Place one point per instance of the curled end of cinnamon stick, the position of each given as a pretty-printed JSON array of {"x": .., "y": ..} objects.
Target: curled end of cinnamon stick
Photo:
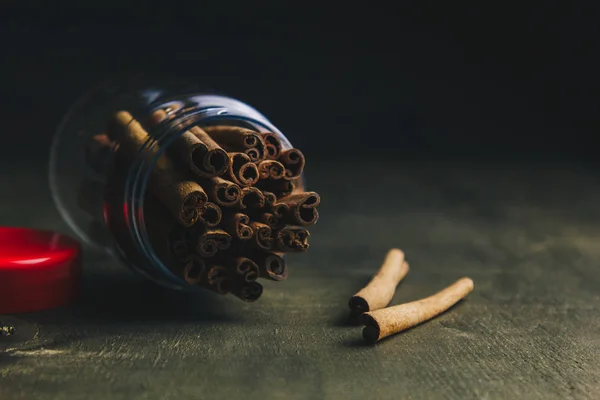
[
  {"x": 263, "y": 236},
  {"x": 194, "y": 269},
  {"x": 358, "y": 305},
  {"x": 242, "y": 170},
  {"x": 275, "y": 268},
  {"x": 371, "y": 332},
  {"x": 251, "y": 197},
  {"x": 225, "y": 193},
  {"x": 247, "y": 269},
  {"x": 272, "y": 145},
  {"x": 249, "y": 292},
  {"x": 208, "y": 162},
  {"x": 294, "y": 161},
  {"x": 292, "y": 239},
  {"x": 271, "y": 169},
  {"x": 212, "y": 241},
  {"x": 211, "y": 214}
]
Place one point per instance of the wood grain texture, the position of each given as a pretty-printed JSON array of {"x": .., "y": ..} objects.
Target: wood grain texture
[{"x": 528, "y": 235}]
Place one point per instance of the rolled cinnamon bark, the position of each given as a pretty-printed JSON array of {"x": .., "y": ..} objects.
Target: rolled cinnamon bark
[
  {"x": 272, "y": 145},
  {"x": 194, "y": 269},
  {"x": 280, "y": 187},
  {"x": 211, "y": 215},
  {"x": 195, "y": 147},
  {"x": 270, "y": 198},
  {"x": 292, "y": 239},
  {"x": 271, "y": 266},
  {"x": 244, "y": 267},
  {"x": 205, "y": 158},
  {"x": 263, "y": 236},
  {"x": 379, "y": 291},
  {"x": 251, "y": 198},
  {"x": 212, "y": 241},
  {"x": 219, "y": 279},
  {"x": 388, "y": 321},
  {"x": 271, "y": 220},
  {"x": 301, "y": 208},
  {"x": 223, "y": 192},
  {"x": 249, "y": 292},
  {"x": 235, "y": 138},
  {"x": 271, "y": 169},
  {"x": 237, "y": 225},
  {"x": 293, "y": 160},
  {"x": 242, "y": 170},
  {"x": 172, "y": 186}
]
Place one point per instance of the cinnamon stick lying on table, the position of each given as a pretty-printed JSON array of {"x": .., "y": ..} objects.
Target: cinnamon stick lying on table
[
  {"x": 272, "y": 145},
  {"x": 182, "y": 196},
  {"x": 242, "y": 170},
  {"x": 235, "y": 138},
  {"x": 293, "y": 160},
  {"x": 388, "y": 321},
  {"x": 301, "y": 208},
  {"x": 379, "y": 291}
]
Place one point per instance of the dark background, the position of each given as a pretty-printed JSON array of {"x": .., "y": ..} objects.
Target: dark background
[{"x": 470, "y": 82}]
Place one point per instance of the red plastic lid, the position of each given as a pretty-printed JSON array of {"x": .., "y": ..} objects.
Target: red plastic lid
[{"x": 38, "y": 270}]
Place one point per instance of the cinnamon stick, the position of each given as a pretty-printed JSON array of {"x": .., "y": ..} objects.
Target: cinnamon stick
[
  {"x": 196, "y": 148},
  {"x": 271, "y": 169},
  {"x": 213, "y": 240},
  {"x": 235, "y": 138},
  {"x": 263, "y": 236},
  {"x": 271, "y": 266},
  {"x": 194, "y": 269},
  {"x": 272, "y": 145},
  {"x": 270, "y": 198},
  {"x": 271, "y": 220},
  {"x": 379, "y": 291},
  {"x": 292, "y": 239},
  {"x": 301, "y": 208},
  {"x": 244, "y": 267},
  {"x": 211, "y": 214},
  {"x": 388, "y": 321},
  {"x": 237, "y": 225},
  {"x": 223, "y": 192},
  {"x": 172, "y": 186},
  {"x": 251, "y": 198},
  {"x": 280, "y": 187},
  {"x": 242, "y": 170},
  {"x": 219, "y": 279},
  {"x": 249, "y": 292},
  {"x": 293, "y": 160}
]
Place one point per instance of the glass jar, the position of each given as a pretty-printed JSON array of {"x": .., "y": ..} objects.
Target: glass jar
[{"x": 118, "y": 226}]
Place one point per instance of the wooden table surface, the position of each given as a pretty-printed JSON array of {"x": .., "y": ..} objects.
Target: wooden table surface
[{"x": 527, "y": 233}]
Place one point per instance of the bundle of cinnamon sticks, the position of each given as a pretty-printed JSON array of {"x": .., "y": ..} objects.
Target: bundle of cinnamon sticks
[{"x": 223, "y": 203}]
